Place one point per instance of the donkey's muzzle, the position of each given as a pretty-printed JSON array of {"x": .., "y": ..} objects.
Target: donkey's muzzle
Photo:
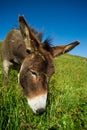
[
  {"x": 38, "y": 103},
  {"x": 40, "y": 111}
]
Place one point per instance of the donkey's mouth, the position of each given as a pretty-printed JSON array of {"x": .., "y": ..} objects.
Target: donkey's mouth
[
  {"x": 40, "y": 111},
  {"x": 38, "y": 104}
]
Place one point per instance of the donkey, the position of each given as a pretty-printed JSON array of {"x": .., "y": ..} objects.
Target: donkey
[{"x": 24, "y": 51}]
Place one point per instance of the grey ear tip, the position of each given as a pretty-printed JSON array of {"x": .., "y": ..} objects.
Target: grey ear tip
[
  {"x": 78, "y": 42},
  {"x": 20, "y": 18}
]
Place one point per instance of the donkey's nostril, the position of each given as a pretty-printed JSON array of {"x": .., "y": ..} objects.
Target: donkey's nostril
[{"x": 40, "y": 111}]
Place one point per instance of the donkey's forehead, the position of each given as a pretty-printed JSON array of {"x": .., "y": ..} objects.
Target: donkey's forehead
[
  {"x": 34, "y": 60},
  {"x": 42, "y": 57},
  {"x": 37, "y": 61},
  {"x": 39, "y": 56}
]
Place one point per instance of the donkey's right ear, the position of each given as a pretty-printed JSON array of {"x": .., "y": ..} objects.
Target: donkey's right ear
[
  {"x": 25, "y": 33},
  {"x": 30, "y": 39},
  {"x": 23, "y": 27}
]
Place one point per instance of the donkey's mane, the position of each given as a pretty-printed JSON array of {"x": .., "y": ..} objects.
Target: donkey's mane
[
  {"x": 39, "y": 35},
  {"x": 47, "y": 43}
]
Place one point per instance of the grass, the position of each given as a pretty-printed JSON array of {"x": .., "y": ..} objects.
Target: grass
[{"x": 66, "y": 104}]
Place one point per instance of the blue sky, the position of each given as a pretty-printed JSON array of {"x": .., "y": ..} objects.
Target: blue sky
[{"x": 64, "y": 20}]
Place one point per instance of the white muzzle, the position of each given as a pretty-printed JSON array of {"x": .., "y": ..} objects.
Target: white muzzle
[{"x": 38, "y": 104}]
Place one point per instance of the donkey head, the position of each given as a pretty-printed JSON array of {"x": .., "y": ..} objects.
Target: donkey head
[{"x": 38, "y": 67}]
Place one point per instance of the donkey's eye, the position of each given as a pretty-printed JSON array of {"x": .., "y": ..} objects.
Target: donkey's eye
[
  {"x": 28, "y": 51},
  {"x": 33, "y": 73}
]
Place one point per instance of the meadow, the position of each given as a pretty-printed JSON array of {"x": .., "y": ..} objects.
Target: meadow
[{"x": 66, "y": 105}]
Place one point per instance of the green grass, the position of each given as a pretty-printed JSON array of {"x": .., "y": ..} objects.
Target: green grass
[{"x": 66, "y": 104}]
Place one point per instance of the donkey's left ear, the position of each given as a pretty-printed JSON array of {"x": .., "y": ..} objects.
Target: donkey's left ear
[{"x": 59, "y": 50}]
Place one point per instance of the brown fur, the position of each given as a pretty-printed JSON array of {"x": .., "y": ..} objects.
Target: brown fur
[{"x": 24, "y": 48}]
